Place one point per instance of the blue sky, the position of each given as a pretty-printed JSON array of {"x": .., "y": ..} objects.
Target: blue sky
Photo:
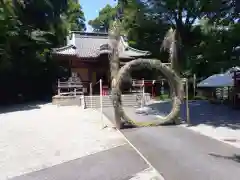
[{"x": 92, "y": 7}]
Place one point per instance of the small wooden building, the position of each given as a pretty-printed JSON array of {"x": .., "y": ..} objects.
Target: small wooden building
[
  {"x": 227, "y": 85},
  {"x": 87, "y": 56}
]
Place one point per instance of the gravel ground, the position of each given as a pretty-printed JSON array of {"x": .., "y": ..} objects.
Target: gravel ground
[{"x": 47, "y": 135}]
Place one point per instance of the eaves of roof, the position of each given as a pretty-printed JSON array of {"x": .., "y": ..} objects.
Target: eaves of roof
[{"x": 92, "y": 45}]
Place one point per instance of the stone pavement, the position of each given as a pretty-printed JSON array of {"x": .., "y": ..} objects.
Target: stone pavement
[
  {"x": 181, "y": 154},
  {"x": 121, "y": 163}
]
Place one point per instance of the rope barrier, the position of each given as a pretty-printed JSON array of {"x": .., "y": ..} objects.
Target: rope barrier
[{"x": 97, "y": 82}]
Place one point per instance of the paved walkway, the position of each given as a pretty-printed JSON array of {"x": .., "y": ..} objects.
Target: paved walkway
[
  {"x": 117, "y": 163},
  {"x": 180, "y": 154}
]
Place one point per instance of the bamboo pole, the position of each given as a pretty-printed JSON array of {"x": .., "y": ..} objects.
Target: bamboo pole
[
  {"x": 143, "y": 93},
  {"x": 187, "y": 105},
  {"x": 101, "y": 103},
  {"x": 194, "y": 85},
  {"x": 59, "y": 91},
  {"x": 91, "y": 105}
]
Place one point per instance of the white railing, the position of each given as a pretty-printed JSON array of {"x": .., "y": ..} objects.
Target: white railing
[
  {"x": 75, "y": 88},
  {"x": 137, "y": 85}
]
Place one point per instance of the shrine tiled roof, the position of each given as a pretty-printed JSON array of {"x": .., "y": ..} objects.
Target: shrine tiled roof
[
  {"x": 91, "y": 45},
  {"x": 66, "y": 50}
]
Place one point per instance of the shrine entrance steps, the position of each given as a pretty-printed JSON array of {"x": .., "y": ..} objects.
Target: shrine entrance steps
[{"x": 127, "y": 100}]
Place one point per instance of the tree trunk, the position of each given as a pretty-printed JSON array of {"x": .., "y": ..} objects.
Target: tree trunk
[
  {"x": 175, "y": 61},
  {"x": 115, "y": 65},
  {"x": 114, "y": 68}
]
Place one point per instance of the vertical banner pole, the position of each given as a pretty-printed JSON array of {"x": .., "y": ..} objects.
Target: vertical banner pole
[
  {"x": 59, "y": 91},
  {"x": 194, "y": 85},
  {"x": 152, "y": 91},
  {"x": 91, "y": 95},
  {"x": 101, "y": 102},
  {"x": 187, "y": 105},
  {"x": 75, "y": 92},
  {"x": 153, "y": 88},
  {"x": 162, "y": 88},
  {"x": 143, "y": 93}
]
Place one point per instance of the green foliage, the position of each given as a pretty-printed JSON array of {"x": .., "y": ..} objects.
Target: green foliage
[
  {"x": 183, "y": 16},
  {"x": 208, "y": 36},
  {"x": 105, "y": 18},
  {"x": 208, "y": 31},
  {"x": 75, "y": 16},
  {"x": 29, "y": 29},
  {"x": 215, "y": 50}
]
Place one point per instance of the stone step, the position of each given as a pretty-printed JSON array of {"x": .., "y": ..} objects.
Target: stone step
[
  {"x": 109, "y": 101},
  {"x": 133, "y": 98},
  {"x": 109, "y": 104},
  {"x": 123, "y": 100},
  {"x": 94, "y": 101},
  {"x": 98, "y": 103}
]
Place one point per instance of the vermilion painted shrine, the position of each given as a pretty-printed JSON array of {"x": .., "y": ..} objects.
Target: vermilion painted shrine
[{"x": 87, "y": 57}]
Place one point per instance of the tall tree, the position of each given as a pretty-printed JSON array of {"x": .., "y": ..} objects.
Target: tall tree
[
  {"x": 203, "y": 58},
  {"x": 146, "y": 23},
  {"x": 75, "y": 16},
  {"x": 105, "y": 17},
  {"x": 142, "y": 30},
  {"x": 182, "y": 16},
  {"x": 29, "y": 29}
]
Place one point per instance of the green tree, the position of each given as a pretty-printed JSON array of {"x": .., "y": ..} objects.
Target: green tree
[
  {"x": 144, "y": 30},
  {"x": 203, "y": 58},
  {"x": 182, "y": 17},
  {"x": 105, "y": 18},
  {"x": 75, "y": 16},
  {"x": 28, "y": 32}
]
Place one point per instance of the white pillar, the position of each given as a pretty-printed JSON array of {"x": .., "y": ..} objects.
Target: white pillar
[
  {"x": 143, "y": 93},
  {"x": 75, "y": 92},
  {"x": 90, "y": 95},
  {"x": 194, "y": 85},
  {"x": 101, "y": 102},
  {"x": 162, "y": 87},
  {"x": 59, "y": 91},
  {"x": 187, "y": 105}
]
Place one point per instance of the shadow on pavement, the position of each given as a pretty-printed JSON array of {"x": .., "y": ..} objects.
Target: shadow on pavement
[
  {"x": 235, "y": 157},
  {"x": 201, "y": 112},
  {"x": 21, "y": 107}
]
